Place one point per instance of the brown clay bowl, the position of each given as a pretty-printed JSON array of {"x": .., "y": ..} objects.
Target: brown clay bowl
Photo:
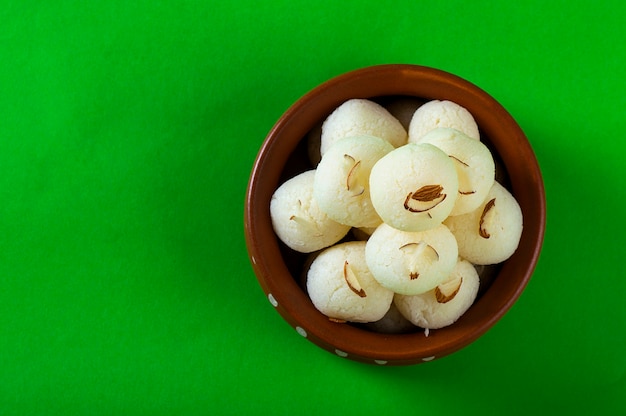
[{"x": 283, "y": 154}]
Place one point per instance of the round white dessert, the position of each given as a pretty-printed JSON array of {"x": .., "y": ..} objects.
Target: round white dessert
[
  {"x": 297, "y": 219},
  {"x": 474, "y": 165},
  {"x": 414, "y": 187},
  {"x": 411, "y": 262},
  {"x": 342, "y": 287},
  {"x": 491, "y": 233},
  {"x": 436, "y": 113},
  {"x": 341, "y": 186},
  {"x": 445, "y": 304},
  {"x": 359, "y": 117}
]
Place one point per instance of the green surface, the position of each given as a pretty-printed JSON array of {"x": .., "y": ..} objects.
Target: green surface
[{"x": 127, "y": 133}]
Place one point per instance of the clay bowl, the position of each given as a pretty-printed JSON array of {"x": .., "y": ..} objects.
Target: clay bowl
[{"x": 283, "y": 154}]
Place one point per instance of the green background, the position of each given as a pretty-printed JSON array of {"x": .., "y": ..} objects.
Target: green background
[{"x": 127, "y": 134}]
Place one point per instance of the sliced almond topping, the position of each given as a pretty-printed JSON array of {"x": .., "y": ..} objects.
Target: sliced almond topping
[
  {"x": 402, "y": 247},
  {"x": 421, "y": 248},
  {"x": 446, "y": 291},
  {"x": 483, "y": 233},
  {"x": 307, "y": 224},
  {"x": 434, "y": 253},
  {"x": 351, "y": 183},
  {"x": 354, "y": 165},
  {"x": 425, "y": 198},
  {"x": 427, "y": 193},
  {"x": 417, "y": 252},
  {"x": 458, "y": 160},
  {"x": 337, "y": 320},
  {"x": 352, "y": 281},
  {"x": 360, "y": 191}
]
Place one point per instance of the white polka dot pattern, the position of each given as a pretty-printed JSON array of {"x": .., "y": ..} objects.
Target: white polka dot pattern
[
  {"x": 272, "y": 300},
  {"x": 341, "y": 353}
]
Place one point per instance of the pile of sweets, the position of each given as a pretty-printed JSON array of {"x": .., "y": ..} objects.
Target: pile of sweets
[{"x": 417, "y": 187}]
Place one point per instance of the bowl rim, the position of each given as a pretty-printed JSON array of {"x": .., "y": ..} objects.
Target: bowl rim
[{"x": 377, "y": 81}]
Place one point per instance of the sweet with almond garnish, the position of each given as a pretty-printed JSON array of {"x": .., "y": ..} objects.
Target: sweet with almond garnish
[
  {"x": 341, "y": 186},
  {"x": 445, "y": 304},
  {"x": 474, "y": 165},
  {"x": 411, "y": 262},
  {"x": 491, "y": 233},
  {"x": 414, "y": 187},
  {"x": 342, "y": 287},
  {"x": 297, "y": 219}
]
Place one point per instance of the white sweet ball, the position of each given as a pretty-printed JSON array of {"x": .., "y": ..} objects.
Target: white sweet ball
[
  {"x": 341, "y": 186},
  {"x": 342, "y": 287},
  {"x": 491, "y": 233},
  {"x": 445, "y": 304},
  {"x": 360, "y": 117},
  {"x": 474, "y": 164},
  {"x": 411, "y": 262},
  {"x": 414, "y": 187},
  {"x": 297, "y": 219},
  {"x": 444, "y": 113}
]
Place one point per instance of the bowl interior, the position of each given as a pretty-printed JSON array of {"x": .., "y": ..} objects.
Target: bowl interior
[{"x": 280, "y": 271}]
